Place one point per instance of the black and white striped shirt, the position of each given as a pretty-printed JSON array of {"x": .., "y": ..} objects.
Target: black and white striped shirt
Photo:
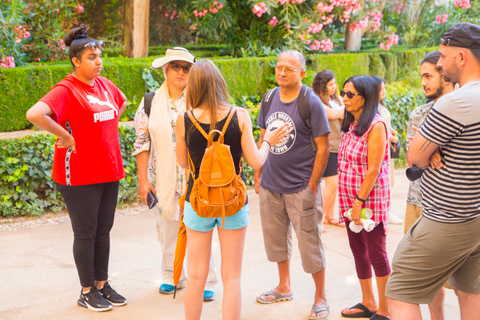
[{"x": 452, "y": 194}]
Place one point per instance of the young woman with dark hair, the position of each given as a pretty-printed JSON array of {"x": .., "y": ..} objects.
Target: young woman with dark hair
[
  {"x": 325, "y": 86},
  {"x": 83, "y": 110},
  {"x": 208, "y": 97},
  {"x": 363, "y": 183}
]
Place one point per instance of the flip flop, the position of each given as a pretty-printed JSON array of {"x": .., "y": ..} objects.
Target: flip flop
[
  {"x": 379, "y": 317},
  {"x": 336, "y": 223},
  {"x": 278, "y": 297},
  {"x": 317, "y": 310},
  {"x": 365, "y": 313}
]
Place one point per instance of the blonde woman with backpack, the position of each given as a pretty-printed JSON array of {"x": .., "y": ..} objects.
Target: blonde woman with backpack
[{"x": 207, "y": 96}]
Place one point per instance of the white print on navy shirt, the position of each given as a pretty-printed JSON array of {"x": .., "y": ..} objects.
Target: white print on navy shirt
[
  {"x": 104, "y": 115},
  {"x": 276, "y": 120}
]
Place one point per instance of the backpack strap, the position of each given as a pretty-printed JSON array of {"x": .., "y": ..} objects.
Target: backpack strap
[
  {"x": 195, "y": 122},
  {"x": 147, "y": 102},
  {"x": 303, "y": 104},
  {"x": 267, "y": 101}
]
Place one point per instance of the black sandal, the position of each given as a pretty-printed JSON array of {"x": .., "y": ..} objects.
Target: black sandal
[{"x": 365, "y": 313}]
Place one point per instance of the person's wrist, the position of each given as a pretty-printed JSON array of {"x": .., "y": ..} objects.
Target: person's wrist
[{"x": 269, "y": 144}]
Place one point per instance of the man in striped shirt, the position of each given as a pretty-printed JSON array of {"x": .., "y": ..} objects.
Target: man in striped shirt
[{"x": 444, "y": 244}]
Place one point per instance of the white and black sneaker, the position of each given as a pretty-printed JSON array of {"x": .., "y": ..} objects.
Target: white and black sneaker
[
  {"x": 112, "y": 296},
  {"x": 94, "y": 301}
]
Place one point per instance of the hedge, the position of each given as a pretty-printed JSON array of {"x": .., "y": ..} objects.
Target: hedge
[
  {"x": 22, "y": 87},
  {"x": 26, "y": 186}
]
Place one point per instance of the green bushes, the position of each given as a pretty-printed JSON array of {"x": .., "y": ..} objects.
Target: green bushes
[
  {"x": 26, "y": 186},
  {"x": 22, "y": 87},
  {"x": 400, "y": 101}
]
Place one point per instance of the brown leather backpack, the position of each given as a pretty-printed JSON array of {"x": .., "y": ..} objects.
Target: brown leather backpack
[{"x": 217, "y": 190}]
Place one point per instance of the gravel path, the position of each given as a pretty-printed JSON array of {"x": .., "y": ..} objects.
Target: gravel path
[{"x": 49, "y": 219}]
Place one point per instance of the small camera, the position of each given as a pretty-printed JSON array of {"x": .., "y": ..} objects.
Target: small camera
[{"x": 414, "y": 173}]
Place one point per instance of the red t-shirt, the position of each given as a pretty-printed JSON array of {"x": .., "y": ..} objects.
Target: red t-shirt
[{"x": 91, "y": 115}]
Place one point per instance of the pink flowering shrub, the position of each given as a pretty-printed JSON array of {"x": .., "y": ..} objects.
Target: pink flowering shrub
[
  {"x": 273, "y": 22},
  {"x": 392, "y": 39},
  {"x": 259, "y": 9},
  {"x": 465, "y": 4},
  {"x": 19, "y": 38},
  {"x": 441, "y": 19},
  {"x": 7, "y": 62}
]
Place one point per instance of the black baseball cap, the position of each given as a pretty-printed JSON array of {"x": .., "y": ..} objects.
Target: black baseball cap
[{"x": 464, "y": 35}]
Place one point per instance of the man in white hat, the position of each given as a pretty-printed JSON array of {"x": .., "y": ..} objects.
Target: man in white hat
[{"x": 155, "y": 129}]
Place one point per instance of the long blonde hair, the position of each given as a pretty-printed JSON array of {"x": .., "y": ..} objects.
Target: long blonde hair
[{"x": 206, "y": 87}]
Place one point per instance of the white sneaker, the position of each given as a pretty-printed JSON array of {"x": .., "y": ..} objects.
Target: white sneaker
[{"x": 394, "y": 220}]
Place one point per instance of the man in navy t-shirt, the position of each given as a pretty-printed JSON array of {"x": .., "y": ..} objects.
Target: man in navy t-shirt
[{"x": 289, "y": 187}]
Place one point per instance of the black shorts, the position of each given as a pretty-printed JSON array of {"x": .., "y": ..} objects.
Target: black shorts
[{"x": 332, "y": 165}]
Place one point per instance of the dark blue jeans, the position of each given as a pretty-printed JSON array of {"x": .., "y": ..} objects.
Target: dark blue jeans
[{"x": 92, "y": 210}]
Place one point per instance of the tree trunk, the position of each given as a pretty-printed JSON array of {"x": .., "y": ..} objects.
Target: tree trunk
[
  {"x": 353, "y": 39},
  {"x": 135, "y": 31}
]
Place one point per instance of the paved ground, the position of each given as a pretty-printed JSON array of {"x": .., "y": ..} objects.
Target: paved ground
[{"x": 39, "y": 279}]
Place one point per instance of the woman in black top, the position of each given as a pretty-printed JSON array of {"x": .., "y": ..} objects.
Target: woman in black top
[{"x": 208, "y": 97}]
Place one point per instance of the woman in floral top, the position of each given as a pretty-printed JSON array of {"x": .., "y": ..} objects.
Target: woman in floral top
[
  {"x": 155, "y": 131},
  {"x": 363, "y": 183}
]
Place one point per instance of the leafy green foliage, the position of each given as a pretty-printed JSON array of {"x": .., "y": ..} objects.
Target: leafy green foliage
[
  {"x": 401, "y": 100},
  {"x": 26, "y": 186},
  {"x": 421, "y": 27},
  {"x": 34, "y": 30}
]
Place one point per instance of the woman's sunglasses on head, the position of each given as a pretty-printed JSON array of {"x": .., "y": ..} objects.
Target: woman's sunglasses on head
[{"x": 94, "y": 45}]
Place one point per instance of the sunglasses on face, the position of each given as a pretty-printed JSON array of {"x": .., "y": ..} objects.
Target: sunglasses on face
[
  {"x": 95, "y": 44},
  {"x": 349, "y": 94},
  {"x": 287, "y": 70},
  {"x": 176, "y": 67}
]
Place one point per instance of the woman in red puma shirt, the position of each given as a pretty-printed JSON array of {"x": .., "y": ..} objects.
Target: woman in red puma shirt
[{"x": 83, "y": 110}]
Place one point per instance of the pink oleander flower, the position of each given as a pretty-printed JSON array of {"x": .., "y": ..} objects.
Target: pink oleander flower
[
  {"x": 359, "y": 24},
  {"x": 273, "y": 22},
  {"x": 259, "y": 9},
  {"x": 392, "y": 39},
  {"x": 465, "y": 4},
  {"x": 308, "y": 41},
  {"x": 63, "y": 47},
  {"x": 26, "y": 34},
  {"x": 80, "y": 9},
  {"x": 301, "y": 37},
  {"x": 18, "y": 40},
  {"x": 7, "y": 62},
  {"x": 315, "y": 28},
  {"x": 322, "y": 7},
  {"x": 326, "y": 45},
  {"x": 444, "y": 18}
]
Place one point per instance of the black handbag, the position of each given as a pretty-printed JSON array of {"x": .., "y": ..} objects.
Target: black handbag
[{"x": 395, "y": 149}]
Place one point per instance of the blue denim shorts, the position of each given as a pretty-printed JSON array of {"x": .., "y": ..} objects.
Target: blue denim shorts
[{"x": 194, "y": 222}]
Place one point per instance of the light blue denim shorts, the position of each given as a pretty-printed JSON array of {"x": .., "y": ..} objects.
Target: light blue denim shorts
[{"x": 194, "y": 222}]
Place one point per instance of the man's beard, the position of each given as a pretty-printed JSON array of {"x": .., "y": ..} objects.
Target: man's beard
[{"x": 438, "y": 93}]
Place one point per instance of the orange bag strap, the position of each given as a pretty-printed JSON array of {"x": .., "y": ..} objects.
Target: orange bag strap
[{"x": 197, "y": 125}]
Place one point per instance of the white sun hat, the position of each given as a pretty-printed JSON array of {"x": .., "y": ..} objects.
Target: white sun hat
[{"x": 174, "y": 54}]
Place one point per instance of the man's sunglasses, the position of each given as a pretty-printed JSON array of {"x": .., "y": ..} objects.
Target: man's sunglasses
[
  {"x": 176, "y": 67},
  {"x": 95, "y": 44},
  {"x": 287, "y": 70},
  {"x": 349, "y": 94}
]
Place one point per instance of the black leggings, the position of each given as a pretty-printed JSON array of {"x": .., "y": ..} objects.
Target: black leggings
[{"x": 91, "y": 209}]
